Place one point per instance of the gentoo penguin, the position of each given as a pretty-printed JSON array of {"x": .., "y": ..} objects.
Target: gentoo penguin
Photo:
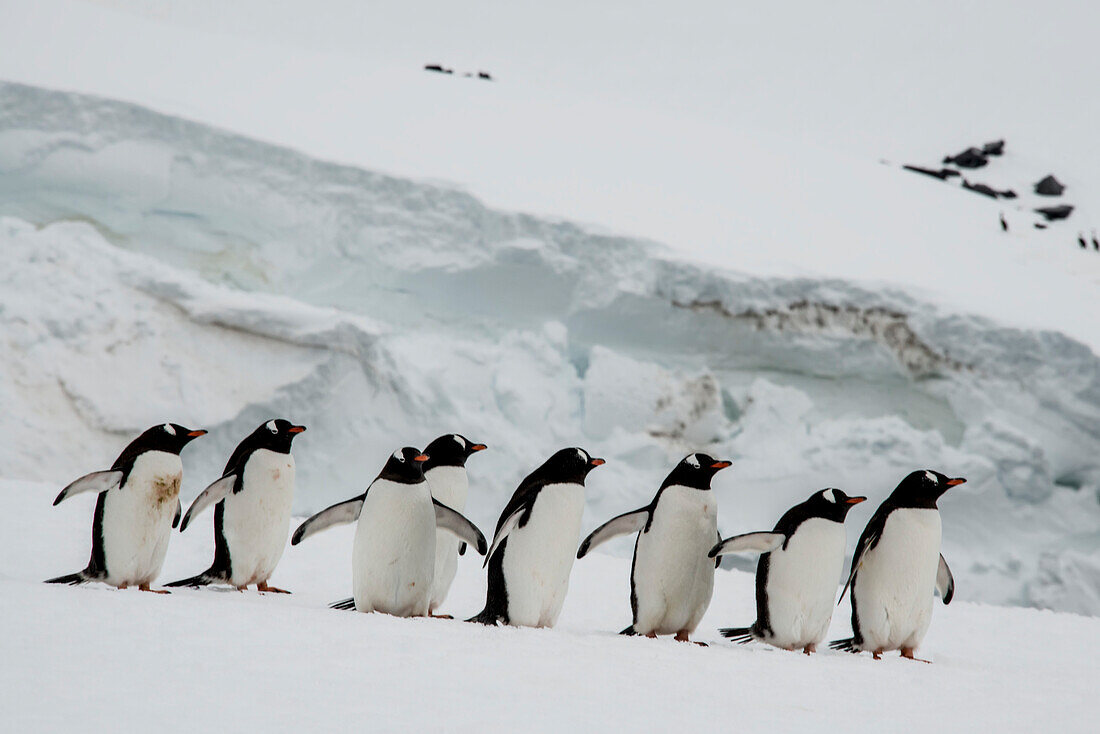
[
  {"x": 671, "y": 578},
  {"x": 532, "y": 551},
  {"x": 393, "y": 557},
  {"x": 252, "y": 509},
  {"x": 137, "y": 507},
  {"x": 1004, "y": 224},
  {"x": 796, "y": 582},
  {"x": 897, "y": 567},
  {"x": 1095, "y": 242},
  {"x": 445, "y": 471},
  {"x": 1081, "y": 241}
]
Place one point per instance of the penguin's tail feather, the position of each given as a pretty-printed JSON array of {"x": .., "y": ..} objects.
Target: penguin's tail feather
[
  {"x": 848, "y": 644},
  {"x": 203, "y": 579},
  {"x": 72, "y": 579},
  {"x": 345, "y": 604},
  {"x": 741, "y": 635},
  {"x": 485, "y": 616},
  {"x": 629, "y": 631}
]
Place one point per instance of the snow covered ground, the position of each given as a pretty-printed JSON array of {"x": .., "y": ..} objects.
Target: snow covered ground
[{"x": 97, "y": 659}]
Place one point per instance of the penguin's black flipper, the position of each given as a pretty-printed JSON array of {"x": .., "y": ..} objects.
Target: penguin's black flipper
[
  {"x": 338, "y": 514},
  {"x": 203, "y": 579},
  {"x": 629, "y": 631},
  {"x": 97, "y": 481},
  {"x": 741, "y": 635},
  {"x": 461, "y": 549},
  {"x": 345, "y": 604},
  {"x": 212, "y": 495},
  {"x": 179, "y": 511},
  {"x": 867, "y": 541},
  {"x": 848, "y": 644},
  {"x": 624, "y": 524},
  {"x": 455, "y": 523},
  {"x": 748, "y": 542},
  {"x": 945, "y": 582},
  {"x": 72, "y": 579}
]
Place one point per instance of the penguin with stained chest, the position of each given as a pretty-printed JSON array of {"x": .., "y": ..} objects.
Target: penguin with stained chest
[
  {"x": 137, "y": 507},
  {"x": 393, "y": 555},
  {"x": 796, "y": 581},
  {"x": 252, "y": 502},
  {"x": 531, "y": 555},
  {"x": 897, "y": 568},
  {"x": 445, "y": 472},
  {"x": 671, "y": 577}
]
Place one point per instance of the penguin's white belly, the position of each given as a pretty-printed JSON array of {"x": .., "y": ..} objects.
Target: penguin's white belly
[
  {"x": 673, "y": 579},
  {"x": 137, "y": 519},
  {"x": 449, "y": 485},
  {"x": 256, "y": 520},
  {"x": 393, "y": 558},
  {"x": 539, "y": 556},
  {"x": 802, "y": 583},
  {"x": 895, "y": 582}
]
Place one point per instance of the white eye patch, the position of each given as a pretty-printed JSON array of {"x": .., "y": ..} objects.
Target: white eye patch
[
  {"x": 399, "y": 456},
  {"x": 584, "y": 456},
  {"x": 458, "y": 439},
  {"x": 931, "y": 477},
  {"x": 693, "y": 460},
  {"x": 829, "y": 495},
  {"x": 169, "y": 429},
  {"x": 272, "y": 427}
]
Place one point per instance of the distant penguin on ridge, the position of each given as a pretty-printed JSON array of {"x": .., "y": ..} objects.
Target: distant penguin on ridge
[
  {"x": 897, "y": 567},
  {"x": 137, "y": 507},
  {"x": 671, "y": 577},
  {"x": 532, "y": 551},
  {"x": 393, "y": 556},
  {"x": 796, "y": 582},
  {"x": 445, "y": 471},
  {"x": 252, "y": 509}
]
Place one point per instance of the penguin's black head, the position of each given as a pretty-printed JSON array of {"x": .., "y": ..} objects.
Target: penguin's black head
[
  {"x": 274, "y": 435},
  {"x": 831, "y": 504},
  {"x": 695, "y": 471},
  {"x": 568, "y": 466},
  {"x": 922, "y": 488},
  {"x": 450, "y": 449},
  {"x": 405, "y": 466},
  {"x": 168, "y": 437}
]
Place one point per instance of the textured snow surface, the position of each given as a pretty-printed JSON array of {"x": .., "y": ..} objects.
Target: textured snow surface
[
  {"x": 163, "y": 270},
  {"x": 218, "y": 659}
]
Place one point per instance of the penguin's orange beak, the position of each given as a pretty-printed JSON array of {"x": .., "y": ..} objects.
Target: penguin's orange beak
[
  {"x": 478, "y": 447},
  {"x": 196, "y": 434},
  {"x": 955, "y": 482},
  {"x": 721, "y": 464},
  {"x": 596, "y": 462},
  {"x": 855, "y": 500},
  {"x": 295, "y": 429},
  {"x": 422, "y": 457}
]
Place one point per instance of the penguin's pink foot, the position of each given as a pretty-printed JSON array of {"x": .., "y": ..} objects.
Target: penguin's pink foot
[
  {"x": 652, "y": 635},
  {"x": 145, "y": 587},
  {"x": 907, "y": 652},
  {"x": 433, "y": 615},
  {"x": 272, "y": 589},
  {"x": 877, "y": 655},
  {"x": 683, "y": 636},
  {"x": 809, "y": 649}
]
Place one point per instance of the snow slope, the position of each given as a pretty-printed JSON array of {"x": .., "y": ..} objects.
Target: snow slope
[
  {"x": 215, "y": 280},
  {"x": 199, "y": 660}
]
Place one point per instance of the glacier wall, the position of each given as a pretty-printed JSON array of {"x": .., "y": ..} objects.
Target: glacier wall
[{"x": 158, "y": 269}]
